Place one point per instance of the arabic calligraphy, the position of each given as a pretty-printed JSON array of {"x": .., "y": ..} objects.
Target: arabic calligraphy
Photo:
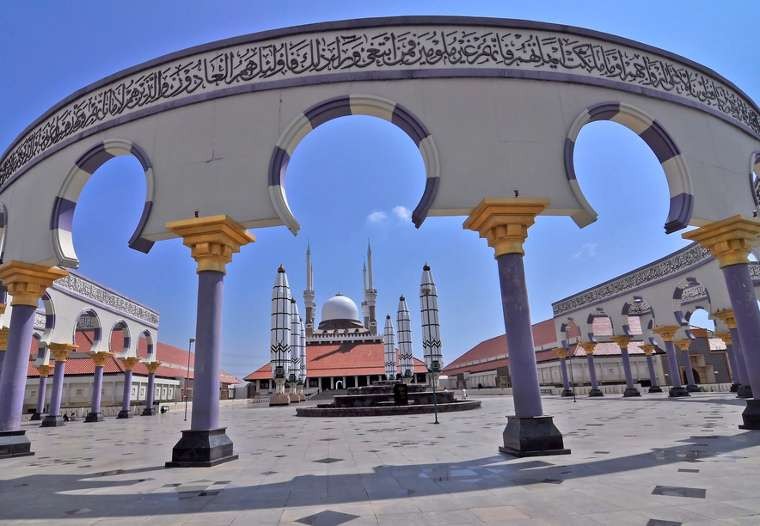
[{"x": 379, "y": 49}]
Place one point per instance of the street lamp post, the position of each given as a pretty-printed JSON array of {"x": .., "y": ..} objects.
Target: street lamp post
[{"x": 187, "y": 372}]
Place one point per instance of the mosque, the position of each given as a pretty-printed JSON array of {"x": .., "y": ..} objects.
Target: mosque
[{"x": 344, "y": 349}]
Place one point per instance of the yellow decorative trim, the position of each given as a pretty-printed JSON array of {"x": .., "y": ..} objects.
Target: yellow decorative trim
[
  {"x": 622, "y": 341},
  {"x": 27, "y": 282},
  {"x": 726, "y": 316},
  {"x": 4, "y": 339},
  {"x": 560, "y": 352},
  {"x": 504, "y": 222},
  {"x": 44, "y": 370},
  {"x": 666, "y": 332},
  {"x": 152, "y": 366},
  {"x": 729, "y": 240},
  {"x": 589, "y": 347},
  {"x": 60, "y": 351},
  {"x": 683, "y": 344},
  {"x": 130, "y": 362},
  {"x": 725, "y": 336},
  {"x": 648, "y": 349},
  {"x": 100, "y": 357},
  {"x": 212, "y": 240}
]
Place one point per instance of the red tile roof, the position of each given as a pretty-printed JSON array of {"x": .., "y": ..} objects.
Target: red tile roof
[{"x": 348, "y": 359}]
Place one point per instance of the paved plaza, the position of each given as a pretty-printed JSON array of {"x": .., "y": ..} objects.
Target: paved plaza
[{"x": 634, "y": 462}]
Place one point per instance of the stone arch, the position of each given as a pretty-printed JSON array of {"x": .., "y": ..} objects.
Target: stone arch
[
  {"x": 340, "y": 107},
  {"x": 658, "y": 140},
  {"x": 65, "y": 202},
  {"x": 597, "y": 327},
  {"x": 150, "y": 348},
  {"x": 47, "y": 305},
  {"x": 122, "y": 326},
  {"x": 41, "y": 351},
  {"x": 688, "y": 296},
  {"x": 90, "y": 321},
  {"x": 638, "y": 307}
]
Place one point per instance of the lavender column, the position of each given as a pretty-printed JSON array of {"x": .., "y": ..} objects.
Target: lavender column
[
  {"x": 150, "y": 396},
  {"x": 54, "y": 417},
  {"x": 126, "y": 398},
  {"x": 13, "y": 376},
  {"x": 622, "y": 342},
  {"x": 207, "y": 352},
  {"x": 97, "y": 389},
  {"x": 44, "y": 370},
  {"x": 522, "y": 360},
  {"x": 504, "y": 222},
  {"x": 677, "y": 389},
  {"x": 745, "y": 389},
  {"x": 589, "y": 347},
  {"x": 562, "y": 355},
  {"x": 653, "y": 384}
]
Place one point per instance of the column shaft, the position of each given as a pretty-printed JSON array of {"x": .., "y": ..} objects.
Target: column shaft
[
  {"x": 592, "y": 371},
  {"x": 741, "y": 364},
  {"x": 565, "y": 378},
  {"x": 652, "y": 374},
  {"x": 207, "y": 351},
  {"x": 731, "y": 352},
  {"x": 97, "y": 390},
  {"x": 675, "y": 371},
  {"x": 150, "y": 396},
  {"x": 13, "y": 376},
  {"x": 687, "y": 367},
  {"x": 627, "y": 368},
  {"x": 126, "y": 398},
  {"x": 522, "y": 360},
  {"x": 57, "y": 395},
  {"x": 41, "y": 395},
  {"x": 744, "y": 303}
]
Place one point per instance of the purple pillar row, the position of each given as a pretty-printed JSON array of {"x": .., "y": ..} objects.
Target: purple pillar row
[
  {"x": 54, "y": 417},
  {"x": 150, "y": 395},
  {"x": 13, "y": 376},
  {"x": 595, "y": 391},
  {"x": 41, "y": 393},
  {"x": 126, "y": 399}
]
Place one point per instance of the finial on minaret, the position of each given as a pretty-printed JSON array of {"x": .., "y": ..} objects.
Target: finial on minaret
[{"x": 370, "y": 294}]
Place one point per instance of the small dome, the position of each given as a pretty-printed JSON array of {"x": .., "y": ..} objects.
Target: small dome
[{"x": 339, "y": 312}]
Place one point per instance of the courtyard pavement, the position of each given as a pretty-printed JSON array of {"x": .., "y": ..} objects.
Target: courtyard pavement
[{"x": 649, "y": 461}]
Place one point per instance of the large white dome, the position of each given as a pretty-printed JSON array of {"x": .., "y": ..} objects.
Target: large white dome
[{"x": 340, "y": 312}]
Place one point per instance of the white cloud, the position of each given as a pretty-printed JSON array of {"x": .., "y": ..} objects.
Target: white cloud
[
  {"x": 402, "y": 212},
  {"x": 586, "y": 251},
  {"x": 378, "y": 216}
]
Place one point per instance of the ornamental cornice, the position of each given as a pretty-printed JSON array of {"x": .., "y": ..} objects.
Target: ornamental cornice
[
  {"x": 379, "y": 49},
  {"x": 93, "y": 293},
  {"x": 691, "y": 256}
]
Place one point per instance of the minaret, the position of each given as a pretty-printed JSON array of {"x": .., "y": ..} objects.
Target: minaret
[
  {"x": 308, "y": 294},
  {"x": 365, "y": 307},
  {"x": 431, "y": 331},
  {"x": 390, "y": 350},
  {"x": 370, "y": 295},
  {"x": 403, "y": 323},
  {"x": 302, "y": 358},
  {"x": 280, "y": 336},
  {"x": 295, "y": 337}
]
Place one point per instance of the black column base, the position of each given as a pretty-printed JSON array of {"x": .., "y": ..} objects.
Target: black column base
[
  {"x": 14, "y": 444},
  {"x": 202, "y": 449},
  {"x": 36, "y": 416},
  {"x": 678, "y": 392},
  {"x": 124, "y": 414},
  {"x": 734, "y": 387},
  {"x": 52, "y": 421},
  {"x": 631, "y": 391},
  {"x": 751, "y": 415},
  {"x": 93, "y": 417},
  {"x": 744, "y": 391},
  {"x": 693, "y": 388},
  {"x": 655, "y": 389},
  {"x": 150, "y": 411},
  {"x": 532, "y": 437},
  {"x": 595, "y": 391},
  {"x": 567, "y": 392}
]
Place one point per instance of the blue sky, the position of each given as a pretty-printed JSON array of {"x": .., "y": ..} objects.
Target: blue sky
[{"x": 341, "y": 192}]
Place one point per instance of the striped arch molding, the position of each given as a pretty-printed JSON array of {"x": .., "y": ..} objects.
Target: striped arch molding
[
  {"x": 652, "y": 133},
  {"x": 682, "y": 318},
  {"x": 97, "y": 331},
  {"x": 80, "y": 173},
  {"x": 340, "y": 107},
  {"x": 49, "y": 313},
  {"x": 149, "y": 347},
  {"x": 754, "y": 177}
]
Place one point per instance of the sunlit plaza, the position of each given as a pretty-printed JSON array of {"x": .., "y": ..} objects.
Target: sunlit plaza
[
  {"x": 325, "y": 263},
  {"x": 633, "y": 461}
]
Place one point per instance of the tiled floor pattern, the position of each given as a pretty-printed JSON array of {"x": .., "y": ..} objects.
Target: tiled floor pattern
[{"x": 648, "y": 461}]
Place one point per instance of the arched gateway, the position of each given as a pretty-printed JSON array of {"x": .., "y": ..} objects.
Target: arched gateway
[{"x": 493, "y": 105}]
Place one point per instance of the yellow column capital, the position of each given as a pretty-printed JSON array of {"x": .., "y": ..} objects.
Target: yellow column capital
[
  {"x": 212, "y": 240},
  {"x": 589, "y": 347},
  {"x": 666, "y": 332},
  {"x": 648, "y": 349},
  {"x": 729, "y": 240},
  {"x": 4, "y": 339},
  {"x": 152, "y": 366},
  {"x": 725, "y": 336},
  {"x": 27, "y": 282},
  {"x": 129, "y": 362},
  {"x": 504, "y": 222},
  {"x": 683, "y": 344},
  {"x": 622, "y": 341},
  {"x": 44, "y": 370},
  {"x": 60, "y": 351},
  {"x": 726, "y": 316},
  {"x": 560, "y": 353},
  {"x": 100, "y": 357},
  {"x": 2, "y": 308}
]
